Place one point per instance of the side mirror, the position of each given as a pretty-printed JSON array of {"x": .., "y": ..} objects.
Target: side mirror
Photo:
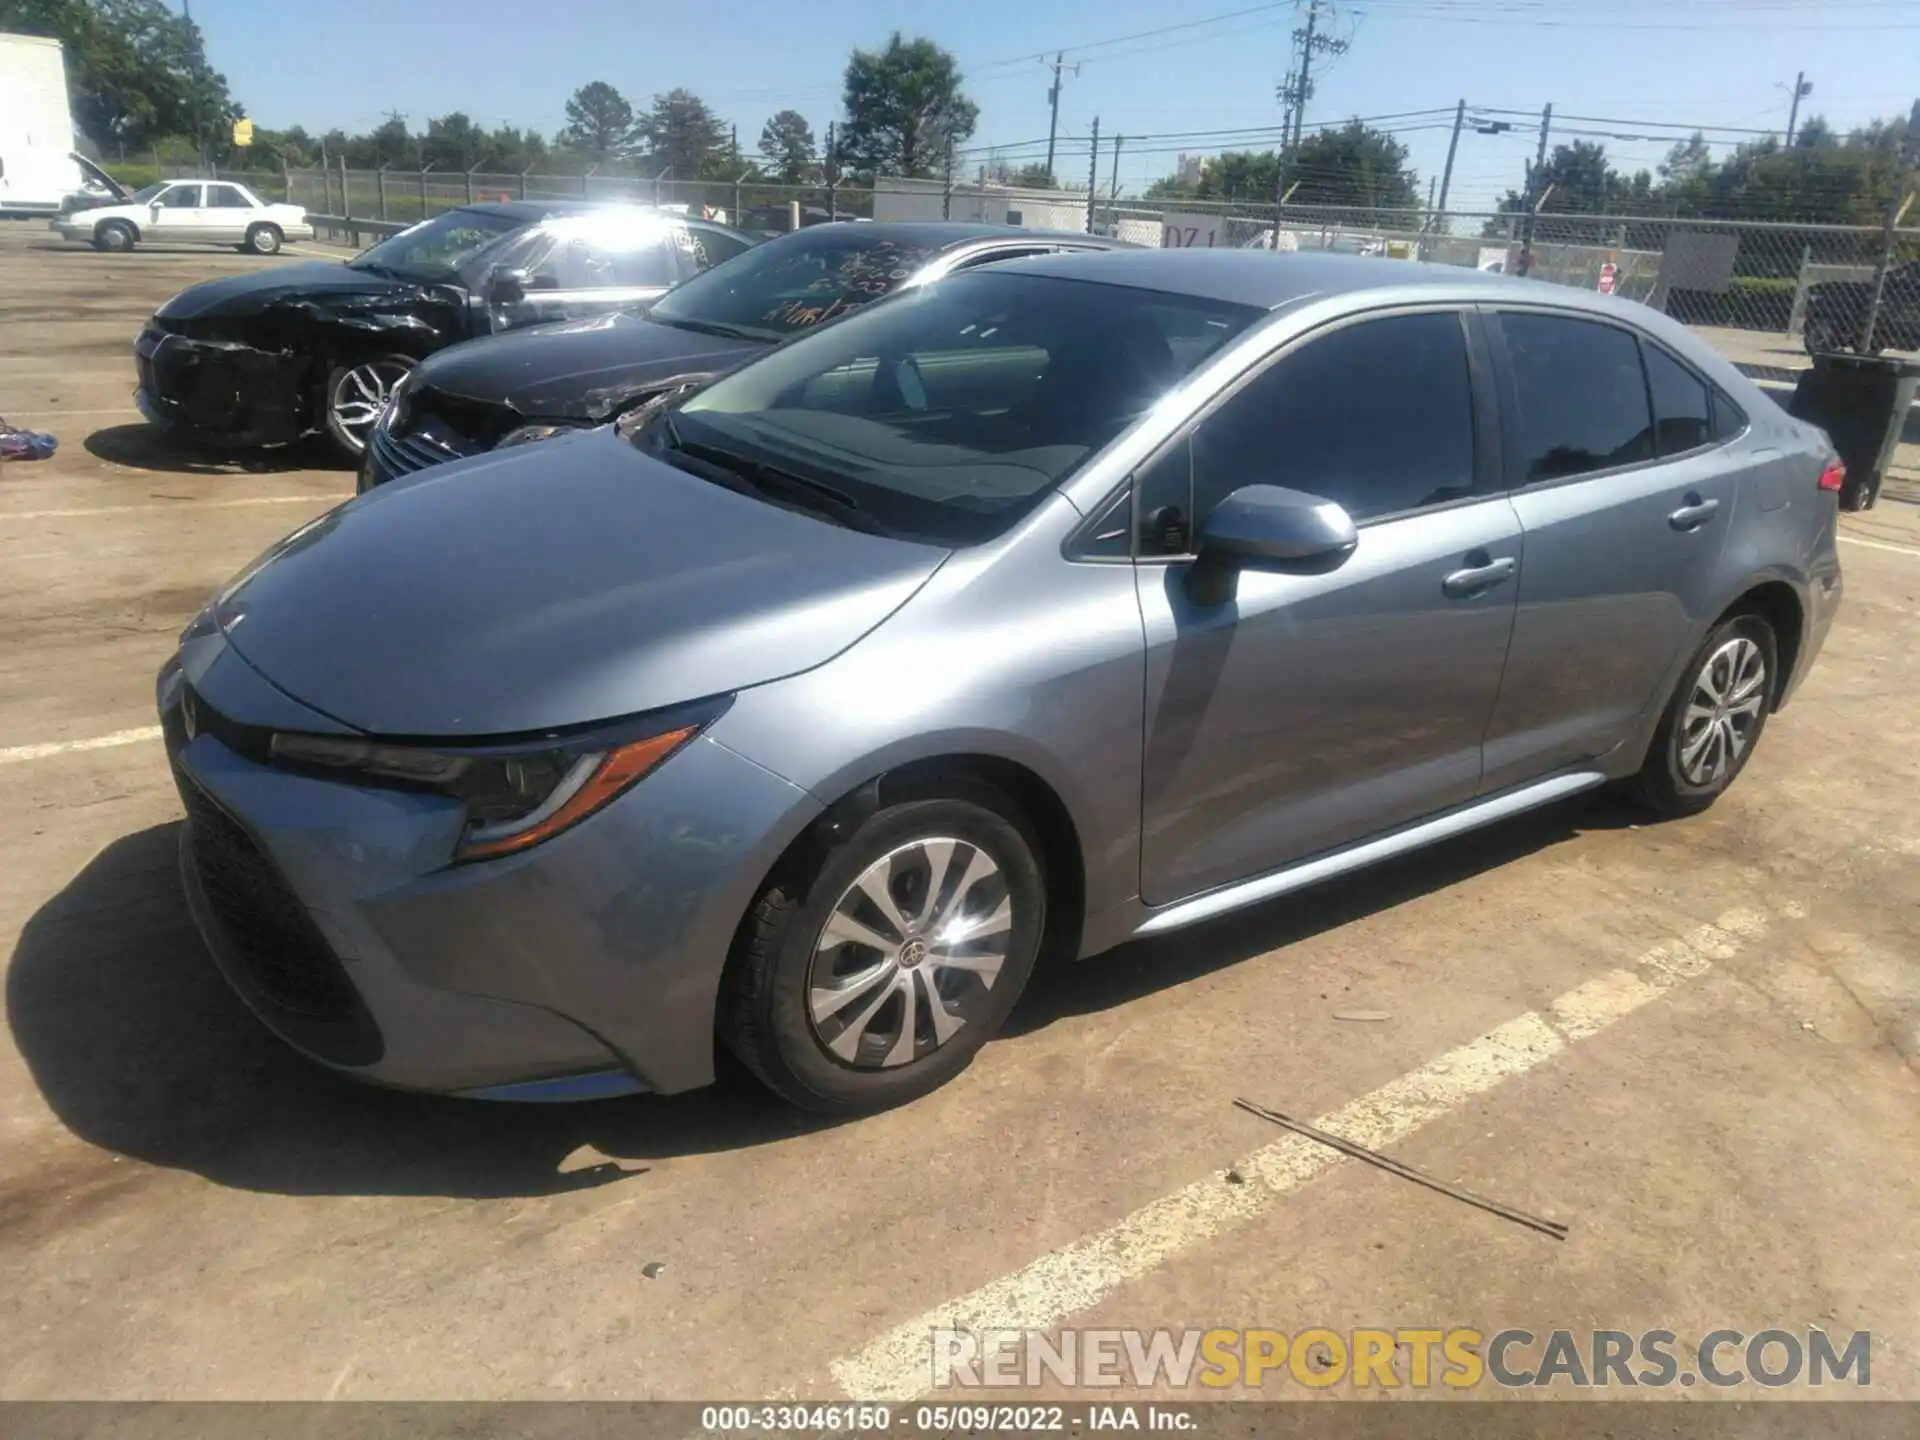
[
  {"x": 1268, "y": 528},
  {"x": 507, "y": 286}
]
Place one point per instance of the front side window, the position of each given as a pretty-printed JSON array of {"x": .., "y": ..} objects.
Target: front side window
[
  {"x": 180, "y": 197},
  {"x": 226, "y": 197},
  {"x": 947, "y": 413},
  {"x": 1581, "y": 394},
  {"x": 794, "y": 283},
  {"x": 1376, "y": 416},
  {"x": 714, "y": 247}
]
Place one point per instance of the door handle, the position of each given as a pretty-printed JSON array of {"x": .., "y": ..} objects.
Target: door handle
[
  {"x": 1478, "y": 579},
  {"x": 1692, "y": 515}
]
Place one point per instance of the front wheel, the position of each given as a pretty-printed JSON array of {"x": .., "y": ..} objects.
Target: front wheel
[
  {"x": 876, "y": 977},
  {"x": 114, "y": 237},
  {"x": 354, "y": 397},
  {"x": 1714, "y": 720}
]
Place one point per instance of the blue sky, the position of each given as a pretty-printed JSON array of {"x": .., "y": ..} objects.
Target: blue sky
[{"x": 1719, "y": 62}]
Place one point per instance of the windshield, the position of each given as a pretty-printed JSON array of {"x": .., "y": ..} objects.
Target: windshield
[
  {"x": 434, "y": 249},
  {"x": 789, "y": 285},
  {"x": 948, "y": 413},
  {"x": 146, "y": 193}
]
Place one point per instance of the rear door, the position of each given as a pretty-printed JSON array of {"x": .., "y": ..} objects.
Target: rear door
[
  {"x": 1314, "y": 709},
  {"x": 225, "y": 213},
  {"x": 1626, "y": 497}
]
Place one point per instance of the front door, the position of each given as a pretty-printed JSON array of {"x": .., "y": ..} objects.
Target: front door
[
  {"x": 577, "y": 271},
  {"x": 174, "y": 215},
  {"x": 1312, "y": 710},
  {"x": 1627, "y": 497}
]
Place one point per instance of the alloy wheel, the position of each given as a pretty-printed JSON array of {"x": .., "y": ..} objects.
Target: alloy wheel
[
  {"x": 360, "y": 394},
  {"x": 1723, "y": 712},
  {"x": 909, "y": 953}
]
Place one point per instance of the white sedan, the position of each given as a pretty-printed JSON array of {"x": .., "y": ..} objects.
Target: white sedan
[{"x": 209, "y": 212}]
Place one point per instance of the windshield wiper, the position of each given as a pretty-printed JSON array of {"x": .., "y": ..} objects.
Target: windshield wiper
[
  {"x": 708, "y": 327},
  {"x": 770, "y": 482}
]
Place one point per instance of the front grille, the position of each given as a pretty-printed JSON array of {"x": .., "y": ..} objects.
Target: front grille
[
  {"x": 403, "y": 456},
  {"x": 267, "y": 930}
]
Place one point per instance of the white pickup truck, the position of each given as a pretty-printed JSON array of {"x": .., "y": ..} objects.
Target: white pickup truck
[{"x": 207, "y": 212}]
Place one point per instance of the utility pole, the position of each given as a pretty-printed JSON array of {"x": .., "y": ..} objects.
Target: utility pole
[
  {"x": 1534, "y": 177},
  {"x": 1053, "y": 99},
  {"x": 1113, "y": 191},
  {"x": 1294, "y": 93},
  {"x": 1802, "y": 87},
  {"x": 1093, "y": 174},
  {"x": 1453, "y": 145}
]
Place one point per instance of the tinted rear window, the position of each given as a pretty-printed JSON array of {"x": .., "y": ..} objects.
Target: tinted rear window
[{"x": 1581, "y": 393}]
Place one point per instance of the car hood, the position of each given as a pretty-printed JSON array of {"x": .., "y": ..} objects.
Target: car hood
[
  {"x": 253, "y": 291},
  {"x": 553, "y": 585},
  {"x": 582, "y": 370}
]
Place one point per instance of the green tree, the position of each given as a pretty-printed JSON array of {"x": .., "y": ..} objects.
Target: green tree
[
  {"x": 453, "y": 142},
  {"x": 599, "y": 121},
  {"x": 683, "y": 134},
  {"x": 905, "y": 112},
  {"x": 786, "y": 140},
  {"x": 1352, "y": 165},
  {"x": 1032, "y": 176},
  {"x": 1814, "y": 134}
]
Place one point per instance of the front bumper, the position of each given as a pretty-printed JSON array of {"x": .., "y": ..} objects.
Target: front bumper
[
  {"x": 585, "y": 966},
  {"x": 221, "y": 390}
]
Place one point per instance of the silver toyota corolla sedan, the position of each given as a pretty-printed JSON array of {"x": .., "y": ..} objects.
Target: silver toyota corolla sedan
[{"x": 1062, "y": 602}]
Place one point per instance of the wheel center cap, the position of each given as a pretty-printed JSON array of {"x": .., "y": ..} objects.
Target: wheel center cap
[{"x": 912, "y": 953}]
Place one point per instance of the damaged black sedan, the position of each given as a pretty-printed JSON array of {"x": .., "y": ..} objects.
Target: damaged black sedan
[
  {"x": 269, "y": 357},
  {"x": 560, "y": 379}
]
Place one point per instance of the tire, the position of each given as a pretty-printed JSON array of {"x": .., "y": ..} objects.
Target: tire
[
  {"x": 821, "y": 1019},
  {"x": 1681, "y": 778},
  {"x": 113, "y": 237},
  {"x": 264, "y": 239},
  {"x": 352, "y": 399}
]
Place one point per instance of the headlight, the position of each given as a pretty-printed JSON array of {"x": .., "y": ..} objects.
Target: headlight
[
  {"x": 534, "y": 432},
  {"x": 516, "y": 795}
]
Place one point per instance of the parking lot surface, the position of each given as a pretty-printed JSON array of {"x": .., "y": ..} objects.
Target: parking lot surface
[{"x": 1695, "y": 1044}]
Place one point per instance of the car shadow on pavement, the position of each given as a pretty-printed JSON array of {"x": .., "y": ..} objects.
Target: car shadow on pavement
[
  {"x": 139, "y": 1047},
  {"x": 1059, "y": 991},
  {"x": 148, "y": 447}
]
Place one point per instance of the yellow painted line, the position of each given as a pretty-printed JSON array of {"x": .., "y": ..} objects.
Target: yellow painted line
[
  {"x": 1076, "y": 1277},
  {"x": 19, "y": 753},
  {"x": 195, "y": 505},
  {"x": 1880, "y": 545}
]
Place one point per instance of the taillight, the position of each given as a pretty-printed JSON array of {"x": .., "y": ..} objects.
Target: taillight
[{"x": 1834, "y": 476}]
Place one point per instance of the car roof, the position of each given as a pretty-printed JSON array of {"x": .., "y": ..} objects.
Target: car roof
[{"x": 1268, "y": 281}]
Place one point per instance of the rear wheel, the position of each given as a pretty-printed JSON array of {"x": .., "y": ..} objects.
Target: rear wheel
[
  {"x": 1714, "y": 720},
  {"x": 877, "y": 976},
  {"x": 264, "y": 239},
  {"x": 115, "y": 237},
  {"x": 354, "y": 398}
]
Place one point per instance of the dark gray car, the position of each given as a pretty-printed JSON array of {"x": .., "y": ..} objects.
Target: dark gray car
[{"x": 1052, "y": 604}]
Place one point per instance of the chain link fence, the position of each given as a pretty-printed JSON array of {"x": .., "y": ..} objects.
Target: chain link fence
[{"x": 1790, "y": 287}]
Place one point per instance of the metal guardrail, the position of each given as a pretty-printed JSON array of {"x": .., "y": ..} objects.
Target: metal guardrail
[{"x": 356, "y": 226}]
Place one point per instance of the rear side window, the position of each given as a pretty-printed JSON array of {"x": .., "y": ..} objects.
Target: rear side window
[
  {"x": 1376, "y": 416},
  {"x": 225, "y": 197},
  {"x": 1681, "y": 410},
  {"x": 1728, "y": 418},
  {"x": 1581, "y": 395}
]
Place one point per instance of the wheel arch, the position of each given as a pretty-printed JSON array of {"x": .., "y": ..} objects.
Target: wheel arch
[
  {"x": 1039, "y": 802},
  {"x": 1776, "y": 601}
]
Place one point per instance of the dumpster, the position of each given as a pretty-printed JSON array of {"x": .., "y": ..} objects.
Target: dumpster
[{"x": 1861, "y": 401}]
